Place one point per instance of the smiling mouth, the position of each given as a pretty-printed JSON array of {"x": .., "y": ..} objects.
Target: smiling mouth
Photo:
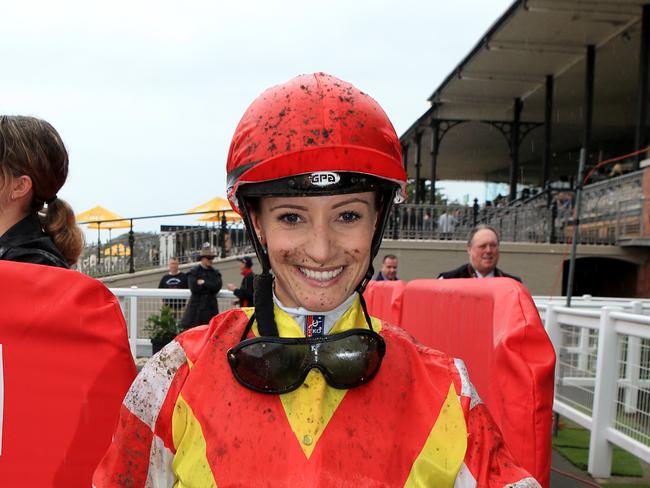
[{"x": 321, "y": 275}]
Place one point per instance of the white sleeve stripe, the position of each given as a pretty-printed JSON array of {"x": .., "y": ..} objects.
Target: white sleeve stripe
[
  {"x": 160, "y": 474},
  {"x": 467, "y": 389},
  {"x": 148, "y": 391},
  {"x": 464, "y": 478},
  {"x": 525, "y": 483}
]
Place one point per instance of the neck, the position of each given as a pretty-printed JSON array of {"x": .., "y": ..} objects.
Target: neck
[{"x": 10, "y": 217}]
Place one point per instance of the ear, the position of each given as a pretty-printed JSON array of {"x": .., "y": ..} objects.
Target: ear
[
  {"x": 258, "y": 226},
  {"x": 21, "y": 187}
]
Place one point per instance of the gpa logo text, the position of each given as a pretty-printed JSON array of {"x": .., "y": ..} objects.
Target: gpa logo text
[{"x": 324, "y": 178}]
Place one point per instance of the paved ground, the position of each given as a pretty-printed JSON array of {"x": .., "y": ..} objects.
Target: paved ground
[
  {"x": 571, "y": 477},
  {"x": 559, "y": 480}
]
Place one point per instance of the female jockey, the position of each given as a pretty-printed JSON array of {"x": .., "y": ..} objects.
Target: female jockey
[{"x": 306, "y": 389}]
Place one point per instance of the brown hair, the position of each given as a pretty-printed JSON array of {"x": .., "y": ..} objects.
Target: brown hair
[{"x": 32, "y": 147}]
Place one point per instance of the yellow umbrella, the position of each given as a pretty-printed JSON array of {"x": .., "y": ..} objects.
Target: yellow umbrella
[
  {"x": 118, "y": 249},
  {"x": 219, "y": 205},
  {"x": 96, "y": 217}
]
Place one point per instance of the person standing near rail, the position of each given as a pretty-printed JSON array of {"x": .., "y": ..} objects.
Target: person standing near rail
[
  {"x": 244, "y": 293},
  {"x": 204, "y": 282},
  {"x": 174, "y": 279},
  {"x": 306, "y": 389}
]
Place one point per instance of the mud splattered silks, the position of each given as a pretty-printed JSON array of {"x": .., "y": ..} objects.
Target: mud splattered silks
[{"x": 187, "y": 422}]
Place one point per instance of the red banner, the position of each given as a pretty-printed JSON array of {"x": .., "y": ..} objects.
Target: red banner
[
  {"x": 384, "y": 300},
  {"x": 492, "y": 324},
  {"x": 65, "y": 367}
]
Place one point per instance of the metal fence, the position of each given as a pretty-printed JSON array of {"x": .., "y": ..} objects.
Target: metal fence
[
  {"x": 612, "y": 212},
  {"x": 527, "y": 223},
  {"x": 152, "y": 250}
]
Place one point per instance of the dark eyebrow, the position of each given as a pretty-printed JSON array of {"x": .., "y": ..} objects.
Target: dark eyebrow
[
  {"x": 349, "y": 201},
  {"x": 304, "y": 209},
  {"x": 288, "y": 206}
]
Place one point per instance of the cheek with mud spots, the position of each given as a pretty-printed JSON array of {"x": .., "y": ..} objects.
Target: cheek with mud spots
[{"x": 285, "y": 254}]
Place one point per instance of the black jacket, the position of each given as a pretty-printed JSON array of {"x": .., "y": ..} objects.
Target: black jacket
[
  {"x": 466, "y": 271},
  {"x": 245, "y": 292},
  {"x": 380, "y": 277},
  {"x": 27, "y": 242},
  {"x": 202, "y": 305}
]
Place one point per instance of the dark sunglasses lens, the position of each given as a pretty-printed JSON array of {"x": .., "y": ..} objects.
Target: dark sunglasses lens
[
  {"x": 270, "y": 366},
  {"x": 350, "y": 360}
]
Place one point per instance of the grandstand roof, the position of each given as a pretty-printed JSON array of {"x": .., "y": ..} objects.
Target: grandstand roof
[{"x": 533, "y": 39}]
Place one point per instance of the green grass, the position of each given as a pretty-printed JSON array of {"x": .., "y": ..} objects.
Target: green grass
[{"x": 573, "y": 443}]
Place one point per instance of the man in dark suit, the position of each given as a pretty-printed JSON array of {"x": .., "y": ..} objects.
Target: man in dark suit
[
  {"x": 483, "y": 251},
  {"x": 388, "y": 269}
]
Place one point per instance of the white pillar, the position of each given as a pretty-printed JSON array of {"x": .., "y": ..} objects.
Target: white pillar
[
  {"x": 133, "y": 324},
  {"x": 605, "y": 396}
]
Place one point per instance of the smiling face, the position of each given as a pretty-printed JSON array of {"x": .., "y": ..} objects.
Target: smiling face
[
  {"x": 319, "y": 247},
  {"x": 484, "y": 251}
]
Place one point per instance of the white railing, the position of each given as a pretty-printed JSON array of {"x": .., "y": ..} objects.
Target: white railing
[
  {"x": 139, "y": 303},
  {"x": 587, "y": 302},
  {"x": 602, "y": 377}
]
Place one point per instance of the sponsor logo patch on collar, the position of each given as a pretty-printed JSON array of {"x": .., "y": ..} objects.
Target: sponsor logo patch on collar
[{"x": 324, "y": 178}]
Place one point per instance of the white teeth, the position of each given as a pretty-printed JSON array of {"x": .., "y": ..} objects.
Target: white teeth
[{"x": 321, "y": 275}]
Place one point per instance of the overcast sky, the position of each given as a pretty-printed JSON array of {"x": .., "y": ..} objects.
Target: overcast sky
[{"x": 146, "y": 95}]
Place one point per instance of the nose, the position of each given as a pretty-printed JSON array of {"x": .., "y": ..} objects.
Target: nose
[{"x": 320, "y": 246}]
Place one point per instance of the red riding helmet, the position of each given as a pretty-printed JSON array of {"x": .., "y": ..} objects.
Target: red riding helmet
[{"x": 313, "y": 124}]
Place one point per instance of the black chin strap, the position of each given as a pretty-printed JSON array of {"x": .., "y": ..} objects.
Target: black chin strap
[
  {"x": 263, "y": 283},
  {"x": 263, "y": 301},
  {"x": 365, "y": 311}
]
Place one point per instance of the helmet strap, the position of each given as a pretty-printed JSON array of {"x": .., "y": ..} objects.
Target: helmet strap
[
  {"x": 387, "y": 205},
  {"x": 263, "y": 283}
]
